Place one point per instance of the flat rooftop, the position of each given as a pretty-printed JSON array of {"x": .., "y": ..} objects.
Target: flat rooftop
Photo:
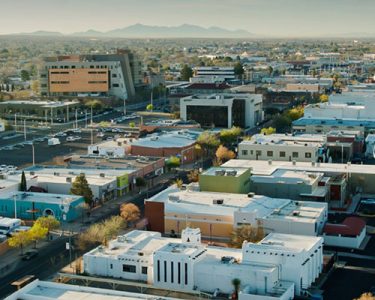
[
  {"x": 52, "y": 290},
  {"x": 124, "y": 163},
  {"x": 75, "y": 170},
  {"x": 173, "y": 139},
  {"x": 368, "y": 123},
  {"x": 40, "y": 197},
  {"x": 288, "y": 177},
  {"x": 291, "y": 242},
  {"x": 132, "y": 243},
  {"x": 286, "y": 140},
  {"x": 207, "y": 203},
  {"x": 259, "y": 167},
  {"x": 218, "y": 171}
]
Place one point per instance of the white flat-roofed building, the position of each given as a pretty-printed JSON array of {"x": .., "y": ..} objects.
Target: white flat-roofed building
[
  {"x": 188, "y": 265},
  {"x": 300, "y": 256},
  {"x": 304, "y": 147},
  {"x": 217, "y": 214},
  {"x": 116, "y": 148},
  {"x": 37, "y": 290},
  {"x": 103, "y": 183},
  {"x": 223, "y": 110}
]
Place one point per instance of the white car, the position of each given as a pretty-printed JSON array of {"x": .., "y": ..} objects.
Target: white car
[{"x": 73, "y": 138}]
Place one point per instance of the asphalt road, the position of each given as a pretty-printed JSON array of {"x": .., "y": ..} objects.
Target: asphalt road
[{"x": 49, "y": 261}]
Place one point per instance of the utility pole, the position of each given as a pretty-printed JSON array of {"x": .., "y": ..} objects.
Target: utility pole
[
  {"x": 86, "y": 118},
  {"x": 51, "y": 116},
  {"x": 15, "y": 122},
  {"x": 91, "y": 117},
  {"x": 124, "y": 106},
  {"x": 76, "y": 119}
]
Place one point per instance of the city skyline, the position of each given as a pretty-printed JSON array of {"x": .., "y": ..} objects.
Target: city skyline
[{"x": 270, "y": 18}]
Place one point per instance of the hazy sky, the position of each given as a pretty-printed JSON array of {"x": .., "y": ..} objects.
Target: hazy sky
[{"x": 261, "y": 17}]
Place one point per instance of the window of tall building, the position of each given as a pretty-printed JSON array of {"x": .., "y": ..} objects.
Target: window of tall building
[
  {"x": 270, "y": 153},
  {"x": 282, "y": 154},
  {"x": 295, "y": 154},
  {"x": 144, "y": 270},
  {"x": 308, "y": 155},
  {"x": 244, "y": 152}
]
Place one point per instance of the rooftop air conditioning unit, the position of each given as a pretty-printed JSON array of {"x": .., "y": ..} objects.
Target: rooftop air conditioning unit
[
  {"x": 102, "y": 175},
  {"x": 294, "y": 162},
  {"x": 32, "y": 173},
  {"x": 270, "y": 161},
  {"x": 68, "y": 179}
]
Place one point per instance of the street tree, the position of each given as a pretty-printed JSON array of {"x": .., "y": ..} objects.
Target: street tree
[
  {"x": 223, "y": 154},
  {"x": 323, "y": 98},
  {"x": 49, "y": 222},
  {"x": 179, "y": 183},
  {"x": 230, "y": 136},
  {"x": 173, "y": 162},
  {"x": 236, "y": 284},
  {"x": 81, "y": 187},
  {"x": 25, "y": 76},
  {"x": 239, "y": 70},
  {"x": 193, "y": 175},
  {"x": 150, "y": 107},
  {"x": 268, "y": 131},
  {"x": 20, "y": 240},
  {"x": 130, "y": 212},
  {"x": 186, "y": 73},
  {"x": 208, "y": 141},
  {"x": 23, "y": 184},
  {"x": 37, "y": 233}
]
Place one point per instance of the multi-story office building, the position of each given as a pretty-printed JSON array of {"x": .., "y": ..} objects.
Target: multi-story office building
[
  {"x": 212, "y": 74},
  {"x": 98, "y": 74},
  {"x": 278, "y": 267},
  {"x": 303, "y": 147},
  {"x": 223, "y": 110}
]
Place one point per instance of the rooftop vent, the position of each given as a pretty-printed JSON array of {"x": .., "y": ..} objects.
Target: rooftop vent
[
  {"x": 250, "y": 195},
  {"x": 68, "y": 179},
  {"x": 32, "y": 173},
  {"x": 296, "y": 213},
  {"x": 102, "y": 175},
  {"x": 294, "y": 162},
  {"x": 218, "y": 201},
  {"x": 270, "y": 161},
  {"x": 228, "y": 259}
]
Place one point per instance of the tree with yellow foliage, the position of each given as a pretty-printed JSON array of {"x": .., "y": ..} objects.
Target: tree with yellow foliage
[
  {"x": 20, "y": 240},
  {"x": 323, "y": 98},
  {"x": 366, "y": 296},
  {"x": 268, "y": 131},
  {"x": 223, "y": 154},
  {"x": 37, "y": 232}
]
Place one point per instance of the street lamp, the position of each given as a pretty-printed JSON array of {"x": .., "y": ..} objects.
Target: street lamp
[
  {"x": 33, "y": 149},
  {"x": 15, "y": 205}
]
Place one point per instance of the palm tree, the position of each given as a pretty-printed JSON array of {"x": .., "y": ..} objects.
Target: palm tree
[{"x": 236, "y": 284}]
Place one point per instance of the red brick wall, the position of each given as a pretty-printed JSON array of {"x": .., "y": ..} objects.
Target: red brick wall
[{"x": 154, "y": 212}]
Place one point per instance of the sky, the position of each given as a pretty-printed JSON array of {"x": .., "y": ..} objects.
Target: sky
[{"x": 269, "y": 18}]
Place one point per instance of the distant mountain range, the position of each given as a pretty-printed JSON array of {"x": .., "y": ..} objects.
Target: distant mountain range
[{"x": 147, "y": 31}]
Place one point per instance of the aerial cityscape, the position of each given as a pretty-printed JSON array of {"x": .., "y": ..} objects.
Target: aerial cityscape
[{"x": 195, "y": 149}]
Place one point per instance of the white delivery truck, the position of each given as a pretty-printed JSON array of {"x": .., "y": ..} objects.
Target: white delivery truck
[
  {"x": 7, "y": 225},
  {"x": 53, "y": 142}
]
